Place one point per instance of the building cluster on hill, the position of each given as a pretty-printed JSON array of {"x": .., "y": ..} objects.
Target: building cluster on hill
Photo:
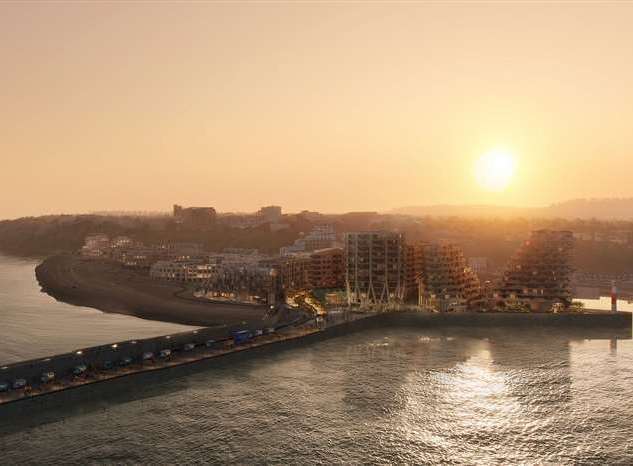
[
  {"x": 366, "y": 269},
  {"x": 236, "y": 274},
  {"x": 271, "y": 216},
  {"x": 201, "y": 218},
  {"x": 195, "y": 216},
  {"x": 101, "y": 245},
  {"x": 615, "y": 236},
  {"x": 134, "y": 254}
]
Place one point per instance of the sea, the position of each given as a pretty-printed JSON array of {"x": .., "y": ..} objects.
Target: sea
[
  {"x": 382, "y": 396},
  {"x": 35, "y": 325}
]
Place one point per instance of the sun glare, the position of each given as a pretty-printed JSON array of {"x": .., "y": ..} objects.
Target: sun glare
[{"x": 494, "y": 170}]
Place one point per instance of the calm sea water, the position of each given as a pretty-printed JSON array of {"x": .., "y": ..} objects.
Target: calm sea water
[
  {"x": 406, "y": 395},
  {"x": 32, "y": 324}
]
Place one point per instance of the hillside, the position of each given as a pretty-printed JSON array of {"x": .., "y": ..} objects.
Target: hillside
[
  {"x": 602, "y": 209},
  {"x": 43, "y": 236}
]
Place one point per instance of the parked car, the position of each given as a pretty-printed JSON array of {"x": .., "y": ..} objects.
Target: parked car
[
  {"x": 210, "y": 343},
  {"x": 19, "y": 384},
  {"x": 79, "y": 370},
  {"x": 4, "y": 386},
  {"x": 126, "y": 361},
  {"x": 147, "y": 356},
  {"x": 164, "y": 353},
  {"x": 189, "y": 347},
  {"x": 47, "y": 377},
  {"x": 242, "y": 336},
  {"x": 107, "y": 365}
]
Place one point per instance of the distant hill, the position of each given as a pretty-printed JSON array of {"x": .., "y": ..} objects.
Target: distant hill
[
  {"x": 447, "y": 210},
  {"x": 603, "y": 209},
  {"x": 620, "y": 209}
]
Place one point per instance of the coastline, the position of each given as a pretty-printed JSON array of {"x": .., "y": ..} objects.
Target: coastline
[{"x": 109, "y": 287}]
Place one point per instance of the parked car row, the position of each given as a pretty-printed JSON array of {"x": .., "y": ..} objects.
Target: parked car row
[
  {"x": 17, "y": 384},
  {"x": 81, "y": 369}
]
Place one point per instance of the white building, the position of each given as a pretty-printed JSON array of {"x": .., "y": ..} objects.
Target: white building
[
  {"x": 271, "y": 213},
  {"x": 321, "y": 237},
  {"x": 95, "y": 245},
  {"x": 182, "y": 271},
  {"x": 237, "y": 258},
  {"x": 121, "y": 242}
]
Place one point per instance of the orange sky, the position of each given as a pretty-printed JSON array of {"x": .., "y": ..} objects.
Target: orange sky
[{"x": 329, "y": 107}]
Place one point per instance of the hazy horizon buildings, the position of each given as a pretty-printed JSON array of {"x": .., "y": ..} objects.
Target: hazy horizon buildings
[
  {"x": 197, "y": 217},
  {"x": 270, "y": 213}
]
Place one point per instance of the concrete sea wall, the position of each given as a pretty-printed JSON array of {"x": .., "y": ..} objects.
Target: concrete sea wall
[
  {"x": 604, "y": 325},
  {"x": 584, "y": 326},
  {"x": 598, "y": 321},
  {"x": 96, "y": 357}
]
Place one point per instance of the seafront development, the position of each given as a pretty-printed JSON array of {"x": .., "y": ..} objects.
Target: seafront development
[
  {"x": 366, "y": 270},
  {"x": 326, "y": 283},
  {"x": 316, "y": 232}
]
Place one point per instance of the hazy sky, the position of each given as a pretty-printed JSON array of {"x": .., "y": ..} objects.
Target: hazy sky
[{"x": 330, "y": 107}]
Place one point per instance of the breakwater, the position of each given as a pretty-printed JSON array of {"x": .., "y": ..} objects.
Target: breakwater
[
  {"x": 125, "y": 358},
  {"x": 104, "y": 362}
]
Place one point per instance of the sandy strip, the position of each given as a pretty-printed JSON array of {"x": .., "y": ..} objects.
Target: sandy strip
[{"x": 111, "y": 288}]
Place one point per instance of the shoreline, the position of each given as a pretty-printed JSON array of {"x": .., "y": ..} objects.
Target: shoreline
[{"x": 109, "y": 287}]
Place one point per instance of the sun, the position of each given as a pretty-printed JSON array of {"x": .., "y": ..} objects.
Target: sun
[{"x": 494, "y": 170}]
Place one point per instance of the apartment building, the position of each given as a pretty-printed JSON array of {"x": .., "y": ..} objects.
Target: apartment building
[
  {"x": 323, "y": 268},
  {"x": 139, "y": 257},
  {"x": 374, "y": 267},
  {"x": 120, "y": 242},
  {"x": 540, "y": 270},
  {"x": 414, "y": 267},
  {"x": 294, "y": 271},
  {"x": 252, "y": 284},
  {"x": 194, "y": 216},
  {"x": 445, "y": 281},
  {"x": 271, "y": 213},
  {"x": 326, "y": 269}
]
